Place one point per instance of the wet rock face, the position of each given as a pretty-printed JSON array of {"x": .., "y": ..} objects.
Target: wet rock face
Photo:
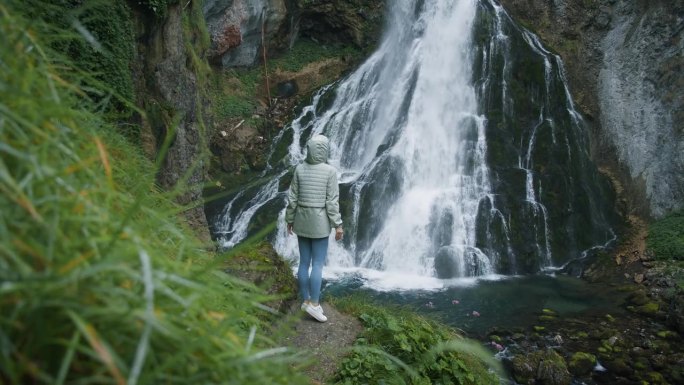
[
  {"x": 624, "y": 61},
  {"x": 168, "y": 90},
  {"x": 349, "y": 21},
  {"x": 640, "y": 97},
  {"x": 235, "y": 28}
]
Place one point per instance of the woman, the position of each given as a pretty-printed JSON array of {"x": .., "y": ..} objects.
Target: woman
[{"x": 313, "y": 209}]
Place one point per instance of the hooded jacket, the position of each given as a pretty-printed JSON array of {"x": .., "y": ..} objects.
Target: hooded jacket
[{"x": 313, "y": 200}]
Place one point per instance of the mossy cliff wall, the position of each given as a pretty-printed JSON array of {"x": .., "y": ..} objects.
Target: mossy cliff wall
[
  {"x": 624, "y": 61},
  {"x": 145, "y": 59},
  {"x": 170, "y": 73}
]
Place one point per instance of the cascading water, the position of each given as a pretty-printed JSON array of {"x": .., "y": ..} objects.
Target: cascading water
[{"x": 459, "y": 148}]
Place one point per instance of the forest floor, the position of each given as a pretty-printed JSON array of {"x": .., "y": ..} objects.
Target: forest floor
[{"x": 325, "y": 344}]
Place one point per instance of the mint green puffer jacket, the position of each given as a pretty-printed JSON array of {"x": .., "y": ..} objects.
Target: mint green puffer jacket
[{"x": 313, "y": 200}]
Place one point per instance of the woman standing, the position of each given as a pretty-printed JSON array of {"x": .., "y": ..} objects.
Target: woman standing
[{"x": 313, "y": 209}]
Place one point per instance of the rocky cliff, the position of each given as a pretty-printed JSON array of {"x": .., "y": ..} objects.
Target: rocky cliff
[
  {"x": 624, "y": 61},
  {"x": 168, "y": 72},
  {"x": 238, "y": 27}
]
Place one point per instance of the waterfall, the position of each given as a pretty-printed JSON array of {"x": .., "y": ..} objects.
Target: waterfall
[{"x": 459, "y": 150}]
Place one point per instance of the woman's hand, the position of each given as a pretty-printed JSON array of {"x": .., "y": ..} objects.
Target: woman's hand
[
  {"x": 289, "y": 228},
  {"x": 338, "y": 233}
]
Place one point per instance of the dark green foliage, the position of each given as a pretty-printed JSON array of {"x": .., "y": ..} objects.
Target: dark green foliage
[
  {"x": 666, "y": 237},
  {"x": 306, "y": 51},
  {"x": 97, "y": 38},
  {"x": 398, "y": 347},
  {"x": 157, "y": 7}
]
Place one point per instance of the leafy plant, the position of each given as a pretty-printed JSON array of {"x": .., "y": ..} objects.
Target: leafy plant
[
  {"x": 399, "y": 347},
  {"x": 666, "y": 237}
]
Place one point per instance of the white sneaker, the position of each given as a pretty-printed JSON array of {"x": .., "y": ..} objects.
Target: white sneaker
[
  {"x": 304, "y": 305},
  {"x": 316, "y": 312}
]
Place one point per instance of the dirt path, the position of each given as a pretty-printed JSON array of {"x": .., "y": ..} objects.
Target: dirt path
[{"x": 325, "y": 343}]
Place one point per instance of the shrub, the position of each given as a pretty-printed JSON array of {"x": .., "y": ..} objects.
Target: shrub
[
  {"x": 666, "y": 237},
  {"x": 398, "y": 347}
]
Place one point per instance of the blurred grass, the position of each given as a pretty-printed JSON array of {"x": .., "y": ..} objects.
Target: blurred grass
[{"x": 99, "y": 282}]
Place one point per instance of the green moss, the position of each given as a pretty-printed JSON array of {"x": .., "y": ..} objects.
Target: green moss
[
  {"x": 666, "y": 334},
  {"x": 581, "y": 335},
  {"x": 582, "y": 363},
  {"x": 542, "y": 367},
  {"x": 666, "y": 237},
  {"x": 305, "y": 51},
  {"x": 648, "y": 309}
]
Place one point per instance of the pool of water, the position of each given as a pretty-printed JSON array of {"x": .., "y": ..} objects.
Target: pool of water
[{"x": 477, "y": 306}]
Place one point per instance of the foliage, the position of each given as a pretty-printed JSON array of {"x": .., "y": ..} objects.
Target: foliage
[
  {"x": 399, "y": 347},
  {"x": 99, "y": 283},
  {"x": 306, "y": 51},
  {"x": 236, "y": 93},
  {"x": 666, "y": 237},
  {"x": 157, "y": 7},
  {"x": 97, "y": 36},
  {"x": 231, "y": 106}
]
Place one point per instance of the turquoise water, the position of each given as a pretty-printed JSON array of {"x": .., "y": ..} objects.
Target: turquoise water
[{"x": 508, "y": 303}]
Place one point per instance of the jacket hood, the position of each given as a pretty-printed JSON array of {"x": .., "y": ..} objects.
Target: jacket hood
[{"x": 317, "y": 149}]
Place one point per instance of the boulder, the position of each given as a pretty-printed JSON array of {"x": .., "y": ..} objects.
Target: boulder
[
  {"x": 543, "y": 367},
  {"x": 582, "y": 363}
]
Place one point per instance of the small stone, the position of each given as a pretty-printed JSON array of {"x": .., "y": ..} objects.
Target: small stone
[
  {"x": 659, "y": 361},
  {"x": 638, "y": 278},
  {"x": 558, "y": 339},
  {"x": 518, "y": 336}
]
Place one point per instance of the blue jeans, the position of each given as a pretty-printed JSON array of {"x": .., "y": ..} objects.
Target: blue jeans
[{"x": 312, "y": 253}]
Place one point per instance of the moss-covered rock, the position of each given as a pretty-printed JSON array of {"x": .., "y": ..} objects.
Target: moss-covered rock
[
  {"x": 619, "y": 365},
  {"x": 541, "y": 366},
  {"x": 262, "y": 266},
  {"x": 581, "y": 363},
  {"x": 648, "y": 309}
]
